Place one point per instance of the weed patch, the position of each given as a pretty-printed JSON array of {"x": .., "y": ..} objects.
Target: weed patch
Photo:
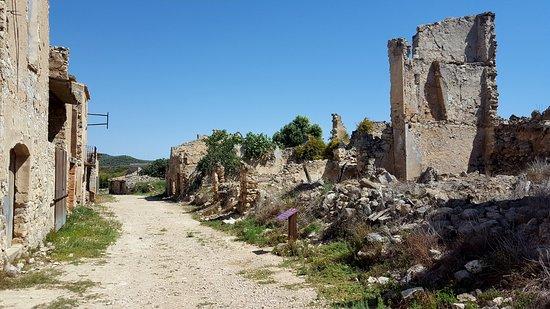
[
  {"x": 248, "y": 230},
  {"x": 28, "y": 280},
  {"x": 261, "y": 276},
  {"x": 79, "y": 287},
  {"x": 62, "y": 303},
  {"x": 87, "y": 234}
]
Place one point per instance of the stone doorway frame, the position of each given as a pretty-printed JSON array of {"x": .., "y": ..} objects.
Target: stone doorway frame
[{"x": 18, "y": 196}]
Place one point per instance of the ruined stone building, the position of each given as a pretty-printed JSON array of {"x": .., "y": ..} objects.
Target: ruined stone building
[
  {"x": 444, "y": 96},
  {"x": 44, "y": 166},
  {"x": 443, "y": 118},
  {"x": 182, "y": 165}
]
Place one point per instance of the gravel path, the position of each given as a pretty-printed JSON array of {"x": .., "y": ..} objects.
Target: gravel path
[{"x": 165, "y": 259}]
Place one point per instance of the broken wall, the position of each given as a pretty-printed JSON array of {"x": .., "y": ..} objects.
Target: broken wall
[
  {"x": 182, "y": 165},
  {"x": 444, "y": 96},
  {"x": 519, "y": 142}
]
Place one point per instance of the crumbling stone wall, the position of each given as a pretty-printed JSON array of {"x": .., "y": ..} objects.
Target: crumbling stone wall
[
  {"x": 444, "y": 96},
  {"x": 68, "y": 123},
  {"x": 339, "y": 132},
  {"x": 520, "y": 141},
  {"x": 374, "y": 149},
  {"x": 248, "y": 186},
  {"x": 24, "y": 72},
  {"x": 182, "y": 165}
]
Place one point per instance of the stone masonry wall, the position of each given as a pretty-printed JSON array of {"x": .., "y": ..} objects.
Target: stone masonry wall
[
  {"x": 24, "y": 51},
  {"x": 444, "y": 96},
  {"x": 71, "y": 96},
  {"x": 519, "y": 142},
  {"x": 182, "y": 165}
]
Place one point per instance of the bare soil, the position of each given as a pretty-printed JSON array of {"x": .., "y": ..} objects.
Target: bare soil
[{"x": 166, "y": 259}]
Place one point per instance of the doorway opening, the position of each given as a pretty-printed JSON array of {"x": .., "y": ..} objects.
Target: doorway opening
[{"x": 18, "y": 194}]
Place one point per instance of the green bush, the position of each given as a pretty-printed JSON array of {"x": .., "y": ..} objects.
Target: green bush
[
  {"x": 366, "y": 126},
  {"x": 149, "y": 187},
  {"x": 156, "y": 168},
  {"x": 257, "y": 147},
  {"x": 297, "y": 132},
  {"x": 329, "y": 151},
  {"x": 313, "y": 149},
  {"x": 221, "y": 149}
]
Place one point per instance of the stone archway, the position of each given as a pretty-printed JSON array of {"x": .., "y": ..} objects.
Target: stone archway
[{"x": 18, "y": 197}]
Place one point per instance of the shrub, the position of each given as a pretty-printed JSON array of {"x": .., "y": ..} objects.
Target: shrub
[
  {"x": 366, "y": 126},
  {"x": 221, "y": 149},
  {"x": 156, "y": 168},
  {"x": 538, "y": 170},
  {"x": 329, "y": 151},
  {"x": 257, "y": 147},
  {"x": 149, "y": 187},
  {"x": 313, "y": 149},
  {"x": 297, "y": 132}
]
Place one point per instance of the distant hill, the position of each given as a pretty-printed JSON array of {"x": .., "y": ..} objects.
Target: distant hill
[{"x": 108, "y": 161}]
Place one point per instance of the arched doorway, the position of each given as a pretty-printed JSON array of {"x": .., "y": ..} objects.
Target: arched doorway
[{"x": 18, "y": 193}]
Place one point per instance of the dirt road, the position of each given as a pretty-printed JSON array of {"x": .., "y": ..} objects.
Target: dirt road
[{"x": 165, "y": 259}]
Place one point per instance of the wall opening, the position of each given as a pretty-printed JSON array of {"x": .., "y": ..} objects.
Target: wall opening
[
  {"x": 57, "y": 117},
  {"x": 434, "y": 93},
  {"x": 18, "y": 188}
]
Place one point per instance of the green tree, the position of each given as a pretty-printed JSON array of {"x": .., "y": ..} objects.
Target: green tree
[
  {"x": 221, "y": 149},
  {"x": 257, "y": 147},
  {"x": 297, "y": 132},
  {"x": 156, "y": 168}
]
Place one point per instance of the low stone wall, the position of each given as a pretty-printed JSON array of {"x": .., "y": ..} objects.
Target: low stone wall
[{"x": 520, "y": 141}]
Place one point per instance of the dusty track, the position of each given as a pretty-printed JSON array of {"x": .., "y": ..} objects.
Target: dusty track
[{"x": 165, "y": 259}]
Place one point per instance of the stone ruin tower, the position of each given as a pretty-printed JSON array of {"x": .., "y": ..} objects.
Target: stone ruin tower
[
  {"x": 444, "y": 96},
  {"x": 339, "y": 132}
]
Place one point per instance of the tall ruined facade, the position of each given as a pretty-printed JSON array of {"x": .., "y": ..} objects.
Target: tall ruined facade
[
  {"x": 444, "y": 96},
  {"x": 26, "y": 164},
  {"x": 43, "y": 120}
]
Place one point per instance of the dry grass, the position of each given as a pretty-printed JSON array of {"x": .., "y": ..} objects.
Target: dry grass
[
  {"x": 417, "y": 246},
  {"x": 539, "y": 171},
  {"x": 266, "y": 211}
]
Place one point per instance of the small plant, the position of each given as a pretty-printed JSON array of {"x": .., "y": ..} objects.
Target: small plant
[
  {"x": 366, "y": 126},
  {"x": 297, "y": 132},
  {"x": 313, "y": 149},
  {"x": 257, "y": 147}
]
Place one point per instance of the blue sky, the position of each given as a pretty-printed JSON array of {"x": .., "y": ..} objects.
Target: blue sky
[{"x": 171, "y": 69}]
